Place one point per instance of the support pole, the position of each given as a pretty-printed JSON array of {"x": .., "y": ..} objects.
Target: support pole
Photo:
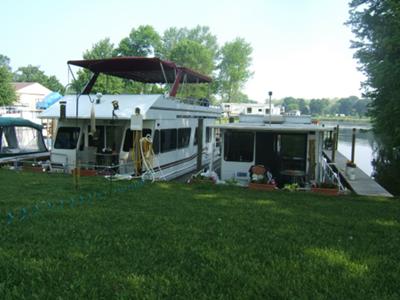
[
  {"x": 334, "y": 144},
  {"x": 337, "y": 137},
  {"x": 200, "y": 143},
  {"x": 353, "y": 145}
]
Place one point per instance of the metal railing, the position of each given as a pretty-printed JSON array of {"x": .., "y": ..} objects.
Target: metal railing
[{"x": 330, "y": 175}]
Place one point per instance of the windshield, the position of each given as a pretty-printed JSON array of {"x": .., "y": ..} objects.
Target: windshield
[{"x": 67, "y": 138}]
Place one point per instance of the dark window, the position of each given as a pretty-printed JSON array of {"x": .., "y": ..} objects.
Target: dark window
[
  {"x": 168, "y": 140},
  {"x": 208, "y": 134},
  {"x": 249, "y": 110},
  {"x": 196, "y": 134},
  {"x": 238, "y": 146},
  {"x": 97, "y": 139},
  {"x": 82, "y": 144},
  {"x": 293, "y": 151},
  {"x": 128, "y": 141},
  {"x": 67, "y": 138},
  {"x": 156, "y": 142},
  {"x": 267, "y": 111},
  {"x": 183, "y": 137},
  {"x": 260, "y": 109}
]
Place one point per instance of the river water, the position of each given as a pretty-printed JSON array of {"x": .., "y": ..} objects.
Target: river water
[{"x": 365, "y": 144}]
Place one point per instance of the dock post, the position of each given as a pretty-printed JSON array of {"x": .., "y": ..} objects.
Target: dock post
[
  {"x": 334, "y": 145},
  {"x": 337, "y": 137},
  {"x": 200, "y": 143},
  {"x": 353, "y": 145}
]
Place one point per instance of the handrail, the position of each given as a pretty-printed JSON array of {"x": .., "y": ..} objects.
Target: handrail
[{"x": 328, "y": 172}]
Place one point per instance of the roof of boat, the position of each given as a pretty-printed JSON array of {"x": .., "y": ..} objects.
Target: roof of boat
[
  {"x": 283, "y": 127},
  {"x": 9, "y": 121},
  {"x": 142, "y": 69},
  {"x": 127, "y": 105}
]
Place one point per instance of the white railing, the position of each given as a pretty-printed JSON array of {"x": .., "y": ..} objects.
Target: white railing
[{"x": 328, "y": 174}]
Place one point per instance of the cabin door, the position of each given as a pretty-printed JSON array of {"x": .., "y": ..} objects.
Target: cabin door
[{"x": 266, "y": 151}]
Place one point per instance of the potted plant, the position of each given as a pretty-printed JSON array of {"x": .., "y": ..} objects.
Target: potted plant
[
  {"x": 351, "y": 170},
  {"x": 262, "y": 183},
  {"x": 325, "y": 188}
]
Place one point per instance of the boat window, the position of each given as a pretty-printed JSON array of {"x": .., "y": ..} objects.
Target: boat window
[
  {"x": 82, "y": 144},
  {"x": 21, "y": 139},
  {"x": 183, "y": 137},
  {"x": 196, "y": 133},
  {"x": 238, "y": 146},
  {"x": 67, "y": 138},
  {"x": 156, "y": 142},
  {"x": 128, "y": 140},
  {"x": 249, "y": 110},
  {"x": 168, "y": 140},
  {"x": 208, "y": 134},
  {"x": 97, "y": 139}
]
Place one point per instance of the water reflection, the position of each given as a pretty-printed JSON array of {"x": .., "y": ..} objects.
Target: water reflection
[
  {"x": 365, "y": 145},
  {"x": 371, "y": 155}
]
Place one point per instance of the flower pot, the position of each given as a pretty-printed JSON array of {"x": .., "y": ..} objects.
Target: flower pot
[
  {"x": 85, "y": 172},
  {"x": 325, "y": 191},
  {"x": 351, "y": 172},
  {"x": 262, "y": 186}
]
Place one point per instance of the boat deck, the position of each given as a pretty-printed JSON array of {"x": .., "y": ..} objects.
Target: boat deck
[{"x": 363, "y": 184}]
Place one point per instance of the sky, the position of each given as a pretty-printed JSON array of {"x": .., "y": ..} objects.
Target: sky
[{"x": 301, "y": 48}]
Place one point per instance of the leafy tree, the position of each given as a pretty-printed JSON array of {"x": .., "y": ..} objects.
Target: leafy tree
[
  {"x": 290, "y": 103},
  {"x": 5, "y": 61},
  {"x": 303, "y": 107},
  {"x": 200, "y": 34},
  {"x": 144, "y": 41},
  {"x": 104, "y": 84},
  {"x": 7, "y": 91},
  {"x": 234, "y": 68},
  {"x": 32, "y": 73},
  {"x": 318, "y": 106},
  {"x": 361, "y": 107},
  {"x": 377, "y": 29}
]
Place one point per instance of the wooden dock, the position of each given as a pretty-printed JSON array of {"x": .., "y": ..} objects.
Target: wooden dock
[{"x": 363, "y": 184}]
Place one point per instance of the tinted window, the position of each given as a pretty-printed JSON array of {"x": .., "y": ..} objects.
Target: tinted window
[
  {"x": 196, "y": 133},
  {"x": 128, "y": 141},
  {"x": 208, "y": 134},
  {"x": 168, "y": 140},
  {"x": 238, "y": 146},
  {"x": 67, "y": 138},
  {"x": 183, "y": 137},
  {"x": 156, "y": 142}
]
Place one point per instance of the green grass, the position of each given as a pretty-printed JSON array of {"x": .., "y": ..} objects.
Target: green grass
[{"x": 170, "y": 240}]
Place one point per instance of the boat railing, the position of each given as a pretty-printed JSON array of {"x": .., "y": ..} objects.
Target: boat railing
[{"x": 330, "y": 175}]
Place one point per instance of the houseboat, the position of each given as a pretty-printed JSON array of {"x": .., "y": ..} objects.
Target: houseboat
[
  {"x": 96, "y": 131},
  {"x": 289, "y": 148}
]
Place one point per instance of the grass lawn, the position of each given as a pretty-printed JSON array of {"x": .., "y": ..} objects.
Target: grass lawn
[{"x": 170, "y": 240}]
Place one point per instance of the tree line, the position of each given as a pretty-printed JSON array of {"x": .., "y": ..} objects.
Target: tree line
[
  {"x": 196, "y": 48},
  {"x": 348, "y": 106},
  {"x": 28, "y": 73}
]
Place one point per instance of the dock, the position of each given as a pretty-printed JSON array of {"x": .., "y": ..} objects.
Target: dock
[{"x": 363, "y": 184}]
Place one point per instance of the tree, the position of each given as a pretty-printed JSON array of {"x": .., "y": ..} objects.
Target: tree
[
  {"x": 200, "y": 34},
  {"x": 144, "y": 41},
  {"x": 377, "y": 29},
  {"x": 7, "y": 91},
  {"x": 34, "y": 74},
  {"x": 104, "y": 84},
  {"x": 234, "y": 68},
  {"x": 318, "y": 106},
  {"x": 290, "y": 103},
  {"x": 5, "y": 61}
]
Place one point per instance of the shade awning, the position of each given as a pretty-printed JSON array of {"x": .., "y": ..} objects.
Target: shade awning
[{"x": 142, "y": 69}]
